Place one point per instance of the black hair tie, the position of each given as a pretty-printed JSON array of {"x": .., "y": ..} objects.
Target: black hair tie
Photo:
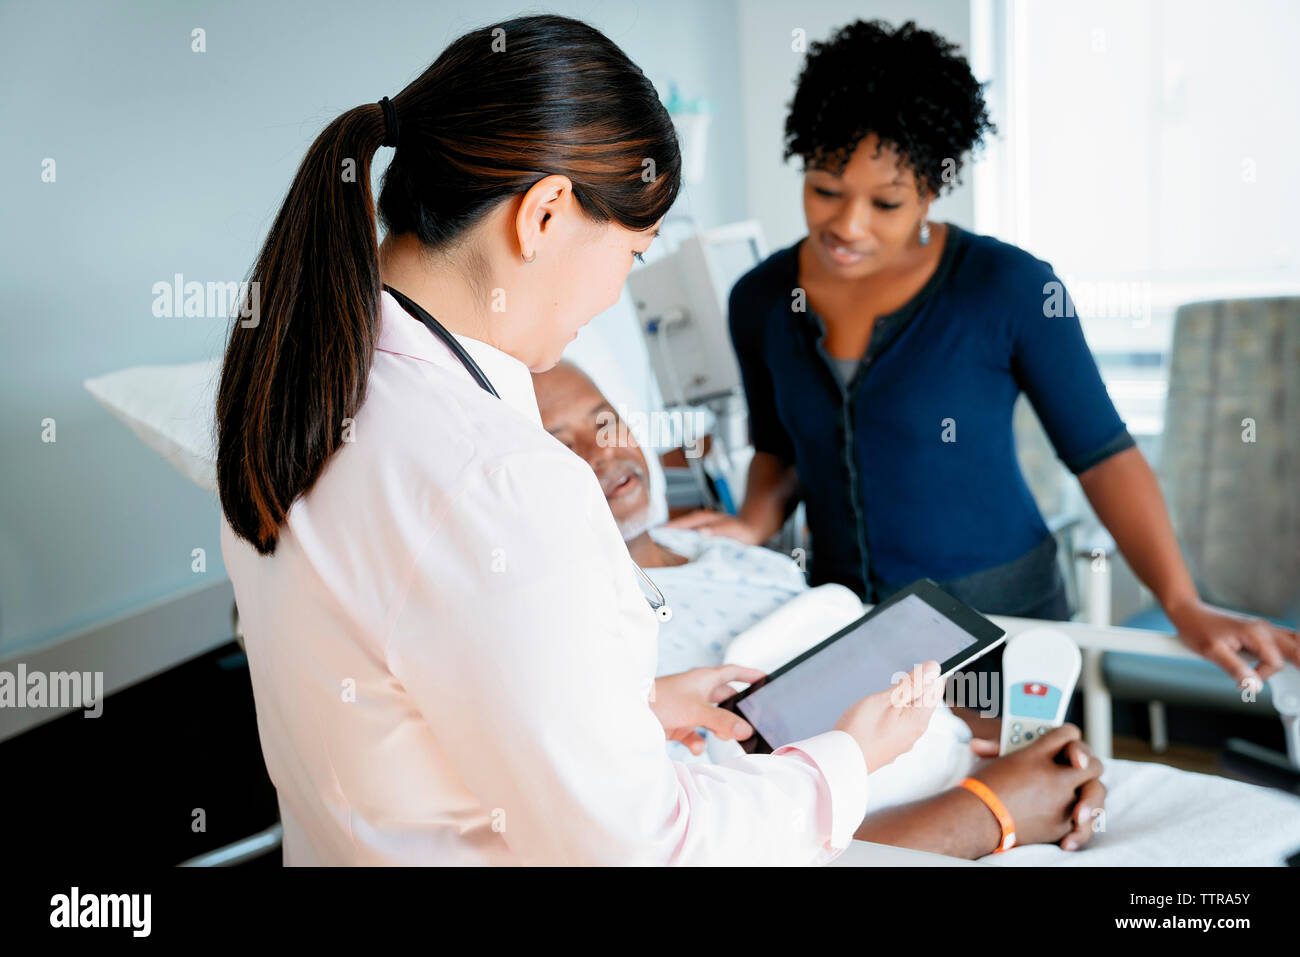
[{"x": 392, "y": 128}]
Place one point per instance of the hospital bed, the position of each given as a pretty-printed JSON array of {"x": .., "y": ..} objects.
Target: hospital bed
[
  {"x": 1154, "y": 814},
  {"x": 170, "y": 408}
]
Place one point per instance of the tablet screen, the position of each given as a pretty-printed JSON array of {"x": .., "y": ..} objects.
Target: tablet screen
[{"x": 811, "y": 696}]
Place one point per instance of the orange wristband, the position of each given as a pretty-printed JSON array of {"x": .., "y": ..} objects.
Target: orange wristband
[{"x": 991, "y": 801}]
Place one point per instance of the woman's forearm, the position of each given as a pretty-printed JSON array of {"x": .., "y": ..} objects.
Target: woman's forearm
[
  {"x": 954, "y": 822},
  {"x": 1126, "y": 496},
  {"x": 770, "y": 495}
]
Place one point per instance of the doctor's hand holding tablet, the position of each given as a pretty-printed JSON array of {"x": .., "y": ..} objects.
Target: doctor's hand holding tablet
[
  {"x": 884, "y": 724},
  {"x": 823, "y": 685},
  {"x": 887, "y": 723}
]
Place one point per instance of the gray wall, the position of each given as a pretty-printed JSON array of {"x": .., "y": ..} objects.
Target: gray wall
[{"x": 170, "y": 161}]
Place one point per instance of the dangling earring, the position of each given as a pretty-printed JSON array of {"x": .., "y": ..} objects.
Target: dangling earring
[
  {"x": 924, "y": 236},
  {"x": 531, "y": 258}
]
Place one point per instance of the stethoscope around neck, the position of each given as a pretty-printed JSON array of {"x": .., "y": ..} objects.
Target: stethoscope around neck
[{"x": 655, "y": 597}]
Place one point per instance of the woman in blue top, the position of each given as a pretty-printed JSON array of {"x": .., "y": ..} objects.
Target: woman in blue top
[{"x": 883, "y": 353}]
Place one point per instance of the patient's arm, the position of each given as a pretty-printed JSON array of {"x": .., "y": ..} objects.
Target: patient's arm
[
  {"x": 1052, "y": 789},
  {"x": 954, "y": 822}
]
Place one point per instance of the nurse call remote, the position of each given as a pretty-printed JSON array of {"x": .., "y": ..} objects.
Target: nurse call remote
[{"x": 1039, "y": 670}]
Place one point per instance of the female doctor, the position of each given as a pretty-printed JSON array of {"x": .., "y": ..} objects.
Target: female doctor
[{"x": 452, "y": 657}]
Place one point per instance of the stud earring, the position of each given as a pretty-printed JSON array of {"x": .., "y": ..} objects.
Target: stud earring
[
  {"x": 529, "y": 258},
  {"x": 924, "y": 235}
]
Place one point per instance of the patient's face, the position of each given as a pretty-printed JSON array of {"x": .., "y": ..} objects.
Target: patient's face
[{"x": 576, "y": 413}]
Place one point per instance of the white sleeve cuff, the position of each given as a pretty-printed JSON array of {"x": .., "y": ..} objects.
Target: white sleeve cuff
[{"x": 844, "y": 771}]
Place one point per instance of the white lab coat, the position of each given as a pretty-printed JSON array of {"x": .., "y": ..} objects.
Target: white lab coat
[{"x": 451, "y": 656}]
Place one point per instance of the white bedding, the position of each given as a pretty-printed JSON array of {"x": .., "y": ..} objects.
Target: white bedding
[
  {"x": 1155, "y": 814},
  {"x": 1158, "y": 815}
]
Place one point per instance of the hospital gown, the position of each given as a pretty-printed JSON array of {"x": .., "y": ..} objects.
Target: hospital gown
[{"x": 724, "y": 589}]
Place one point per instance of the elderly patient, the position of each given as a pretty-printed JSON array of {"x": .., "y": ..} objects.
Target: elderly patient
[{"x": 1053, "y": 789}]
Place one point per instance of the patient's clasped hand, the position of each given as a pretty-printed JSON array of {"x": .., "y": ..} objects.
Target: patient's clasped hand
[{"x": 1052, "y": 789}]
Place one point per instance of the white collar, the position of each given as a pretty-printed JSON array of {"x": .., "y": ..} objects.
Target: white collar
[{"x": 403, "y": 334}]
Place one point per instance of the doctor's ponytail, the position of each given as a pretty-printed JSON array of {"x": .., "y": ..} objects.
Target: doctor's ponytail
[
  {"x": 500, "y": 109},
  {"x": 297, "y": 368}
]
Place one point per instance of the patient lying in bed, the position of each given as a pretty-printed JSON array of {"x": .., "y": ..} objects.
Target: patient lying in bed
[{"x": 1136, "y": 813}]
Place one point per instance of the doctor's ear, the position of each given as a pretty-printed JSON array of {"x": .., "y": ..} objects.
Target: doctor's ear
[{"x": 547, "y": 202}]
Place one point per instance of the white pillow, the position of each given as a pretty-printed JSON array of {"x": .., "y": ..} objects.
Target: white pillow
[
  {"x": 805, "y": 620},
  {"x": 611, "y": 351},
  {"x": 173, "y": 411}
]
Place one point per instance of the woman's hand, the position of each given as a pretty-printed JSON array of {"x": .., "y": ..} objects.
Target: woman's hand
[
  {"x": 771, "y": 487},
  {"x": 1126, "y": 497},
  {"x": 1221, "y": 635},
  {"x": 1052, "y": 788},
  {"x": 708, "y": 522},
  {"x": 687, "y": 701},
  {"x": 888, "y": 722}
]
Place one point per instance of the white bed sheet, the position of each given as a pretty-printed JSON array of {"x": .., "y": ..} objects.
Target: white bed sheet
[{"x": 1155, "y": 814}]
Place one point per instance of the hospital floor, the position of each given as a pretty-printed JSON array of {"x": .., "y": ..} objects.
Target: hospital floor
[
  {"x": 182, "y": 747},
  {"x": 1189, "y": 757},
  {"x": 1197, "y": 743}
]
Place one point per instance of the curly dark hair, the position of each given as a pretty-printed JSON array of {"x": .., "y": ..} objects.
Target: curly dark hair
[{"x": 910, "y": 87}]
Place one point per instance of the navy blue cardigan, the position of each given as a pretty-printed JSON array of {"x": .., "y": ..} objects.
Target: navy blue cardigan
[{"x": 910, "y": 470}]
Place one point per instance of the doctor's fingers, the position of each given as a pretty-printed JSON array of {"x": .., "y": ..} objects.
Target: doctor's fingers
[
  {"x": 724, "y": 724},
  {"x": 1091, "y": 804},
  {"x": 729, "y": 673},
  {"x": 693, "y": 740},
  {"x": 919, "y": 687}
]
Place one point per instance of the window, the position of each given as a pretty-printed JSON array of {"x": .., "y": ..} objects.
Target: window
[{"x": 1147, "y": 151}]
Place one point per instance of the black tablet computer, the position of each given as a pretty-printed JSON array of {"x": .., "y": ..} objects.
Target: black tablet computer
[{"x": 807, "y": 696}]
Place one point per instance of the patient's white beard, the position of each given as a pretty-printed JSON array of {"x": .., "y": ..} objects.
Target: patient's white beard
[{"x": 635, "y": 525}]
